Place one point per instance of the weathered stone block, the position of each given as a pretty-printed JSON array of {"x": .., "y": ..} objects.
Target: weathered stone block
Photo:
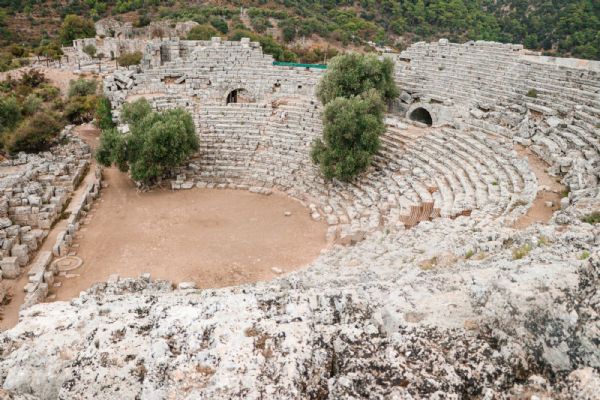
[{"x": 10, "y": 267}]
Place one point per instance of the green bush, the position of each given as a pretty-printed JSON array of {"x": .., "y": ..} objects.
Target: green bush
[
  {"x": 82, "y": 87},
  {"x": 10, "y": 113},
  {"x": 76, "y": 27},
  {"x": 350, "y": 136},
  {"x": 103, "y": 114},
  {"x": 36, "y": 133},
  {"x": 127, "y": 59},
  {"x": 33, "y": 78},
  {"x": 134, "y": 112},
  {"x": 112, "y": 149},
  {"x": 157, "y": 143},
  {"x": 532, "y": 93},
  {"x": 31, "y": 104},
  {"x": 352, "y": 74},
  {"x": 268, "y": 44},
  {"x": 80, "y": 109},
  {"x": 220, "y": 24},
  {"x": 90, "y": 50},
  {"x": 202, "y": 32},
  {"x": 593, "y": 218}
]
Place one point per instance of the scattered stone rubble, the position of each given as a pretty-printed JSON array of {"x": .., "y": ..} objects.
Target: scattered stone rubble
[
  {"x": 36, "y": 189},
  {"x": 460, "y": 305}
]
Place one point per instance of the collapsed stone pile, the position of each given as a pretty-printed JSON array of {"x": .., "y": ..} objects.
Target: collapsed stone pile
[
  {"x": 460, "y": 305},
  {"x": 35, "y": 190}
]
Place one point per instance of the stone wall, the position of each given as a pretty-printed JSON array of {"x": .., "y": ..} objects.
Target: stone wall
[
  {"x": 550, "y": 104},
  {"x": 34, "y": 190}
]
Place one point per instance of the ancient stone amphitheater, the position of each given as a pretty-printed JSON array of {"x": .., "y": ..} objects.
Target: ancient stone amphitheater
[{"x": 441, "y": 284}]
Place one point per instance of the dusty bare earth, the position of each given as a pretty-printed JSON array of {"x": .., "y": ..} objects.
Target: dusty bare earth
[
  {"x": 57, "y": 77},
  {"x": 550, "y": 191},
  {"x": 212, "y": 237}
]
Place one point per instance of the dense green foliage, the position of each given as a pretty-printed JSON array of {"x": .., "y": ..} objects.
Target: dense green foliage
[
  {"x": 127, "y": 59},
  {"x": 202, "y": 32},
  {"x": 81, "y": 103},
  {"x": 557, "y": 27},
  {"x": 30, "y": 113},
  {"x": 157, "y": 142},
  {"x": 354, "y": 91},
  {"x": 36, "y": 133},
  {"x": 76, "y": 27},
  {"x": 352, "y": 74},
  {"x": 104, "y": 114},
  {"x": 350, "y": 136}
]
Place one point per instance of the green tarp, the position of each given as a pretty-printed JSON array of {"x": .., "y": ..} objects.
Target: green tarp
[{"x": 291, "y": 64}]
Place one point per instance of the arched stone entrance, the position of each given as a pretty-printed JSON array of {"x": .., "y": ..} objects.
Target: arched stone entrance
[
  {"x": 239, "y": 96},
  {"x": 421, "y": 115}
]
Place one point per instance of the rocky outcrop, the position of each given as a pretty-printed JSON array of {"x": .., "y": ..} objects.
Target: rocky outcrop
[{"x": 373, "y": 320}]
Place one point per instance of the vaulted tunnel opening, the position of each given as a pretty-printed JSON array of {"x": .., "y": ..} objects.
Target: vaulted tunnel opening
[
  {"x": 421, "y": 115},
  {"x": 239, "y": 96}
]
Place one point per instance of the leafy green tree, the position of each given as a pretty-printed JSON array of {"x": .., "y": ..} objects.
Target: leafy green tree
[
  {"x": 104, "y": 114},
  {"x": 76, "y": 27},
  {"x": 202, "y": 32},
  {"x": 352, "y": 74},
  {"x": 135, "y": 111},
  {"x": 157, "y": 142},
  {"x": 350, "y": 137}
]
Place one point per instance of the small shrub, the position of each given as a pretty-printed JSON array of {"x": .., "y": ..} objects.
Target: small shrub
[
  {"x": 10, "y": 113},
  {"x": 33, "y": 78},
  {"x": 31, "y": 104},
  {"x": 533, "y": 93},
  {"x": 82, "y": 87},
  {"x": 80, "y": 109},
  {"x": 522, "y": 251},
  {"x": 202, "y": 32},
  {"x": 593, "y": 218},
  {"x": 219, "y": 24},
  {"x": 47, "y": 92},
  {"x": 469, "y": 254},
  {"x": 90, "y": 50},
  {"x": 584, "y": 255},
  {"x": 127, "y": 59},
  {"x": 37, "y": 133}
]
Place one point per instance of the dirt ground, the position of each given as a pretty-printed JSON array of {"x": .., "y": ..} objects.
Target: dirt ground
[
  {"x": 539, "y": 211},
  {"x": 57, "y": 77},
  {"x": 213, "y": 237}
]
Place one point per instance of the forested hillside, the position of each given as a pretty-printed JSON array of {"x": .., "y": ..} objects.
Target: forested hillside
[{"x": 298, "y": 27}]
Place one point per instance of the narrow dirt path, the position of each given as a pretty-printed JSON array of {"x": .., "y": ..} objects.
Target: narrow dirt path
[
  {"x": 10, "y": 312},
  {"x": 549, "y": 192}
]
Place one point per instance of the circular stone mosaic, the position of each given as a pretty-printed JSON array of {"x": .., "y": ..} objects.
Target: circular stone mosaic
[{"x": 67, "y": 263}]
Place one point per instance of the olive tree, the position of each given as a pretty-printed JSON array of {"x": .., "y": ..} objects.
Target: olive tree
[
  {"x": 353, "y": 74},
  {"x": 354, "y": 91},
  {"x": 350, "y": 136},
  {"x": 155, "y": 145}
]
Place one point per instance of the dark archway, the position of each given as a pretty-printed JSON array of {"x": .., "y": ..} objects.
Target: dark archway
[
  {"x": 239, "y": 96},
  {"x": 421, "y": 115}
]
